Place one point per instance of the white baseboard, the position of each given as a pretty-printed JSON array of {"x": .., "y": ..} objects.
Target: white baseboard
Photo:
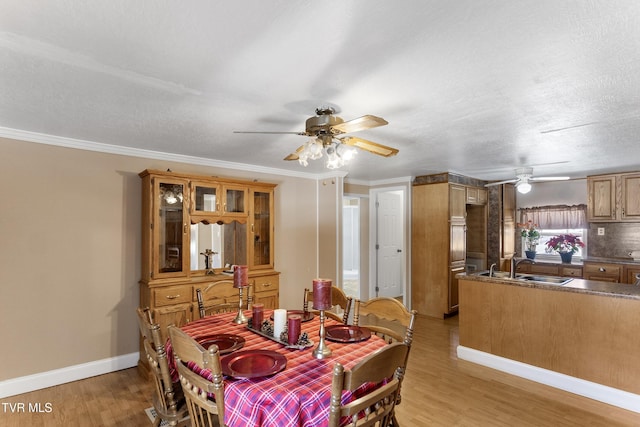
[
  {"x": 602, "y": 393},
  {"x": 42, "y": 380}
]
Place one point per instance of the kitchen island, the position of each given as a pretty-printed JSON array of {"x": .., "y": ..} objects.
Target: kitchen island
[{"x": 581, "y": 336}]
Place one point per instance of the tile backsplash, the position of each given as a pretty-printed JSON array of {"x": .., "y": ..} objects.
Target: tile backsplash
[{"x": 619, "y": 239}]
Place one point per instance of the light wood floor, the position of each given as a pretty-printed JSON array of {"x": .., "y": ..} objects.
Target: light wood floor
[{"x": 439, "y": 390}]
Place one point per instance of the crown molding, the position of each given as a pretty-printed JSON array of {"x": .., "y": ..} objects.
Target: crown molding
[
  {"x": 80, "y": 144},
  {"x": 390, "y": 181}
]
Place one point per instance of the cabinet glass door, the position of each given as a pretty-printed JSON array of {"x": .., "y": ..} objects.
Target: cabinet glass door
[
  {"x": 206, "y": 198},
  {"x": 235, "y": 200},
  {"x": 170, "y": 230},
  {"x": 262, "y": 229}
]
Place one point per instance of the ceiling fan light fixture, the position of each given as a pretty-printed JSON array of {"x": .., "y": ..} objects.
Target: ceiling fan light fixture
[
  {"x": 523, "y": 187},
  {"x": 315, "y": 148},
  {"x": 334, "y": 161},
  {"x": 346, "y": 152}
]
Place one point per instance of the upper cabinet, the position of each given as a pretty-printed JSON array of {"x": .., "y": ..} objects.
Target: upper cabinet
[
  {"x": 614, "y": 197},
  {"x": 193, "y": 224},
  {"x": 223, "y": 202},
  {"x": 630, "y": 199},
  {"x": 476, "y": 196}
]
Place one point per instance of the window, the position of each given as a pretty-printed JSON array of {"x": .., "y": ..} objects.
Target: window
[
  {"x": 554, "y": 220},
  {"x": 546, "y": 234}
]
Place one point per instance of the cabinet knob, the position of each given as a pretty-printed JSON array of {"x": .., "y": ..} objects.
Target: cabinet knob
[{"x": 602, "y": 269}]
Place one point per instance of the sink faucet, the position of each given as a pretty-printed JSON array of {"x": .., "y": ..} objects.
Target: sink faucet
[
  {"x": 514, "y": 264},
  {"x": 491, "y": 269}
]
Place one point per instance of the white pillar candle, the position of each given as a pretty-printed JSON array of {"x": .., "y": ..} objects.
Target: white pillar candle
[{"x": 279, "y": 322}]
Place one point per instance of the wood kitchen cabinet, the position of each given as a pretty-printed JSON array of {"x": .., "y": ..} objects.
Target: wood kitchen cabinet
[
  {"x": 185, "y": 215},
  {"x": 613, "y": 197},
  {"x": 476, "y": 196},
  {"x": 438, "y": 246}
]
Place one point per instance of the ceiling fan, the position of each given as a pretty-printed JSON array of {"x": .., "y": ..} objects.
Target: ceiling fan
[
  {"x": 324, "y": 129},
  {"x": 523, "y": 177}
]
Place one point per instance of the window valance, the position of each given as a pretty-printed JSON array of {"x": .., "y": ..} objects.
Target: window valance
[{"x": 556, "y": 217}]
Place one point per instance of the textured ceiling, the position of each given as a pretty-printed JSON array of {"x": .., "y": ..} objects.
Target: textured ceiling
[{"x": 477, "y": 87}]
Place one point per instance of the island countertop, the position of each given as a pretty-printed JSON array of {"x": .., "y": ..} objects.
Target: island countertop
[{"x": 616, "y": 290}]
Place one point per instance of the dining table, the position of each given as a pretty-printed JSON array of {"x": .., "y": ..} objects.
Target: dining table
[{"x": 297, "y": 395}]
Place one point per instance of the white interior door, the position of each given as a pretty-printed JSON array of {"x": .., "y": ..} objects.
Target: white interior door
[{"x": 389, "y": 244}]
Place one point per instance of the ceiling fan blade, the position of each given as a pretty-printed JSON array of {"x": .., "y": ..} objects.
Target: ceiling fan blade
[
  {"x": 372, "y": 147},
  {"x": 501, "y": 182},
  {"x": 361, "y": 123},
  {"x": 550, "y": 178},
  {"x": 272, "y": 133},
  {"x": 294, "y": 156}
]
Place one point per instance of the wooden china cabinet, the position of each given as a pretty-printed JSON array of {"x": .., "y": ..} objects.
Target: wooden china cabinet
[{"x": 186, "y": 216}]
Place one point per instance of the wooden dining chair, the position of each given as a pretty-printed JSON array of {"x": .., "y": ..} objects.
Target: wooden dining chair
[
  {"x": 338, "y": 299},
  {"x": 204, "y": 310},
  {"x": 221, "y": 292},
  {"x": 168, "y": 400},
  {"x": 386, "y": 317},
  {"x": 205, "y": 398},
  {"x": 375, "y": 408},
  {"x": 389, "y": 319}
]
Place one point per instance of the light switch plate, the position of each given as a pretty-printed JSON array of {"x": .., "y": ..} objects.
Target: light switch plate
[{"x": 600, "y": 231}]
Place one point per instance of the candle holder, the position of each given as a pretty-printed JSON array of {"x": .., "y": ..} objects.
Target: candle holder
[
  {"x": 240, "y": 317},
  {"x": 240, "y": 281},
  {"x": 321, "y": 302},
  {"x": 322, "y": 351}
]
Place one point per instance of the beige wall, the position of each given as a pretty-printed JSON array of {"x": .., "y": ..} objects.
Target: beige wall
[
  {"x": 329, "y": 228},
  {"x": 70, "y": 253}
]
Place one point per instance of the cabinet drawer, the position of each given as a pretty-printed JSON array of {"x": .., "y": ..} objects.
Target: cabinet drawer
[
  {"x": 571, "y": 271},
  {"x": 171, "y": 295},
  {"x": 630, "y": 274},
  {"x": 551, "y": 270},
  {"x": 601, "y": 271},
  {"x": 605, "y": 269},
  {"x": 266, "y": 283}
]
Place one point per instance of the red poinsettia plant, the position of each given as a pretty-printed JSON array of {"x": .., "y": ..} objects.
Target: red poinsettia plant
[{"x": 564, "y": 243}]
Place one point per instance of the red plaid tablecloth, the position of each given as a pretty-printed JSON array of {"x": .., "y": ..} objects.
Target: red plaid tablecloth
[{"x": 299, "y": 395}]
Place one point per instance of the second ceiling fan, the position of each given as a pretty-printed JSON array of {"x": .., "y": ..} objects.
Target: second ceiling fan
[
  {"x": 523, "y": 177},
  {"x": 326, "y": 131}
]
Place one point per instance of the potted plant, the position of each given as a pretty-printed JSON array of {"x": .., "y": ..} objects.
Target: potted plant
[
  {"x": 566, "y": 245},
  {"x": 531, "y": 238}
]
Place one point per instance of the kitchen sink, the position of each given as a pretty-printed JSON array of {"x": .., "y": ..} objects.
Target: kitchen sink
[
  {"x": 552, "y": 280},
  {"x": 501, "y": 274}
]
